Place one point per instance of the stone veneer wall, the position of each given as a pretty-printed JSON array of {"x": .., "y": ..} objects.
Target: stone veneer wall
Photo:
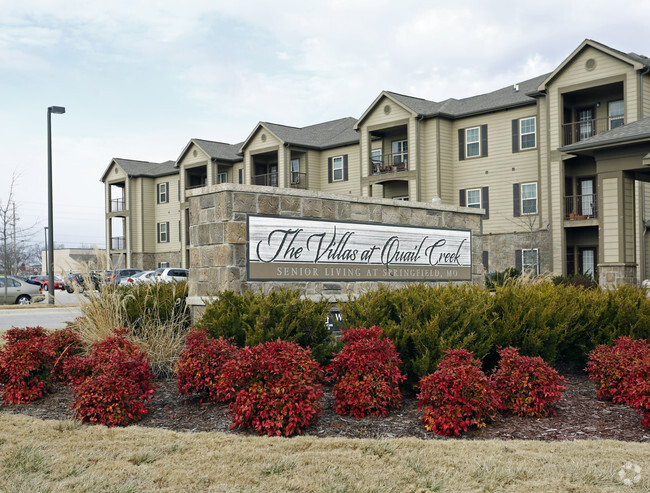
[
  {"x": 617, "y": 274},
  {"x": 502, "y": 246},
  {"x": 218, "y": 215}
]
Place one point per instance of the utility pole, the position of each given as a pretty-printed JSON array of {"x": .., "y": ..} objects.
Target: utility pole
[{"x": 15, "y": 260}]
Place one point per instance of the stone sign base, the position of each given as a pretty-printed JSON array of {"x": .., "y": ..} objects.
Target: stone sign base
[{"x": 218, "y": 235}]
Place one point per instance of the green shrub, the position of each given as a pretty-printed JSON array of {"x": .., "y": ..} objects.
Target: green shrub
[
  {"x": 497, "y": 279},
  {"x": 160, "y": 301},
  {"x": 253, "y": 318},
  {"x": 559, "y": 323},
  {"x": 584, "y": 280},
  {"x": 423, "y": 321}
]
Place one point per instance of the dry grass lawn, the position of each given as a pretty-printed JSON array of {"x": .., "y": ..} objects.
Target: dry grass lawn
[{"x": 52, "y": 456}]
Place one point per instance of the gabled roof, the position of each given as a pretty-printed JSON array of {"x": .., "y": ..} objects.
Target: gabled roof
[
  {"x": 215, "y": 150},
  {"x": 632, "y": 132},
  {"x": 637, "y": 61},
  {"x": 520, "y": 94},
  {"x": 335, "y": 133},
  {"x": 134, "y": 169}
]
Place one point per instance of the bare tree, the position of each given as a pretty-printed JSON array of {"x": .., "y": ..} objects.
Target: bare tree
[{"x": 13, "y": 238}]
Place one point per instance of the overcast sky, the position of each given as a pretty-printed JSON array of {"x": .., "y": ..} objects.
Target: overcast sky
[{"x": 140, "y": 79}]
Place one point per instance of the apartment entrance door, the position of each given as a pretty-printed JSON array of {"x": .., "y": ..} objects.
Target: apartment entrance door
[
  {"x": 587, "y": 261},
  {"x": 586, "y": 197},
  {"x": 586, "y": 126}
]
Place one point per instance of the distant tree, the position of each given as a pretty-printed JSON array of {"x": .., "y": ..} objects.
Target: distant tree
[{"x": 16, "y": 249}]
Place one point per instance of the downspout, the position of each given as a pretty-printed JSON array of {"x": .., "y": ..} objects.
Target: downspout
[{"x": 645, "y": 224}]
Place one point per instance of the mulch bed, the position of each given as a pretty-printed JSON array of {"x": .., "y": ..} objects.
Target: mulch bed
[{"x": 580, "y": 416}]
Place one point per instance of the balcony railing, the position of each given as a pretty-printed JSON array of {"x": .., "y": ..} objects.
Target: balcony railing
[
  {"x": 117, "y": 243},
  {"x": 580, "y": 206},
  {"x": 298, "y": 180},
  {"x": 389, "y": 163},
  {"x": 267, "y": 180},
  {"x": 117, "y": 205},
  {"x": 577, "y": 131}
]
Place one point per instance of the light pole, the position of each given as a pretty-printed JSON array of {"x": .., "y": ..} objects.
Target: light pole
[{"x": 58, "y": 110}]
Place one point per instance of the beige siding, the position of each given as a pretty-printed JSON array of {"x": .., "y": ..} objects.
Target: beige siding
[
  {"x": 448, "y": 193},
  {"x": 576, "y": 74},
  {"x": 610, "y": 220},
  {"x": 499, "y": 170},
  {"x": 428, "y": 159},
  {"x": 628, "y": 217},
  {"x": 314, "y": 170},
  {"x": 379, "y": 117},
  {"x": 646, "y": 97},
  {"x": 557, "y": 220},
  {"x": 352, "y": 185},
  {"x": 165, "y": 212},
  {"x": 189, "y": 160}
]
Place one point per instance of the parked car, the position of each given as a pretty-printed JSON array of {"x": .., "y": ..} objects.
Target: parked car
[
  {"x": 45, "y": 282},
  {"x": 79, "y": 281},
  {"x": 138, "y": 278},
  {"x": 171, "y": 274},
  {"x": 19, "y": 292},
  {"x": 117, "y": 275}
]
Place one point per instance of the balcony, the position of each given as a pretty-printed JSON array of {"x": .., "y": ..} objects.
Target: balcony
[
  {"x": 389, "y": 163},
  {"x": 117, "y": 205},
  {"x": 577, "y": 131},
  {"x": 266, "y": 180},
  {"x": 117, "y": 243},
  {"x": 298, "y": 180},
  {"x": 577, "y": 207}
]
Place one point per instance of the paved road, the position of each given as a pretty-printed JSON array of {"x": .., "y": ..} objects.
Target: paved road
[{"x": 50, "y": 318}]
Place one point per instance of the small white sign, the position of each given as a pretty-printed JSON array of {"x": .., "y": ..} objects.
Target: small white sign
[{"x": 281, "y": 248}]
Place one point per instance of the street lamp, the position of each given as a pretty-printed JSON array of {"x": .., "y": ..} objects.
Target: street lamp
[
  {"x": 58, "y": 110},
  {"x": 46, "y": 262}
]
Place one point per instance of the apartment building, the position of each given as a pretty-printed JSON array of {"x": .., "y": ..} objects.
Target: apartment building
[{"x": 558, "y": 163}]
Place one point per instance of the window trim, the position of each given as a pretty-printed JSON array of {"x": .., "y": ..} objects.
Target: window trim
[
  {"x": 522, "y": 199},
  {"x": 219, "y": 177},
  {"x": 163, "y": 193},
  {"x": 335, "y": 168},
  {"x": 522, "y": 134},
  {"x": 162, "y": 233},
  {"x": 294, "y": 172},
  {"x": 402, "y": 153},
  {"x": 615, "y": 117},
  {"x": 523, "y": 259},
  {"x": 477, "y": 142},
  {"x": 474, "y": 205}
]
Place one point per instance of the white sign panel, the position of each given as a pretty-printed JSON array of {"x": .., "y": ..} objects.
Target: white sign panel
[{"x": 291, "y": 249}]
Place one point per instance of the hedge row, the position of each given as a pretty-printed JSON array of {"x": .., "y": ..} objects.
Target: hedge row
[{"x": 559, "y": 323}]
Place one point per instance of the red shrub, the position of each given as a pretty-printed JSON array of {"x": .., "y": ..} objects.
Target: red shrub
[
  {"x": 367, "y": 374},
  {"x": 66, "y": 344},
  {"x": 457, "y": 395},
  {"x": 279, "y": 388},
  {"x": 636, "y": 387},
  {"x": 112, "y": 383},
  {"x": 199, "y": 368},
  {"x": 527, "y": 386},
  {"x": 609, "y": 366},
  {"x": 25, "y": 364}
]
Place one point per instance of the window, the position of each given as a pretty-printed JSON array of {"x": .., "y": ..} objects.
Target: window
[
  {"x": 163, "y": 192},
  {"x": 163, "y": 265},
  {"x": 616, "y": 114},
  {"x": 163, "y": 232},
  {"x": 527, "y": 133},
  {"x": 400, "y": 151},
  {"x": 530, "y": 261},
  {"x": 337, "y": 168},
  {"x": 474, "y": 198},
  {"x": 222, "y": 177},
  {"x": 401, "y": 197},
  {"x": 529, "y": 198},
  {"x": 472, "y": 142},
  {"x": 295, "y": 171}
]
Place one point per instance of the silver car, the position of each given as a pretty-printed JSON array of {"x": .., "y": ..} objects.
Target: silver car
[{"x": 19, "y": 292}]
